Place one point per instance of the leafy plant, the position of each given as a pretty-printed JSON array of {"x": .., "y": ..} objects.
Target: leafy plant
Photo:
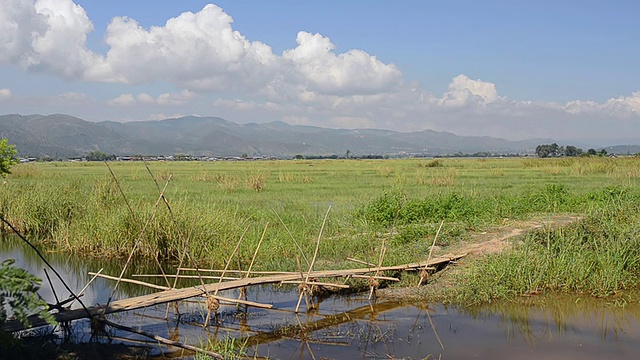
[
  {"x": 18, "y": 289},
  {"x": 7, "y": 157}
]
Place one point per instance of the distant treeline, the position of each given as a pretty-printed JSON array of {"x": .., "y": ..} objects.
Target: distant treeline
[{"x": 554, "y": 150}]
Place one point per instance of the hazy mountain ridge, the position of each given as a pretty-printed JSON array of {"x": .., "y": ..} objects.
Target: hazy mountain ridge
[{"x": 63, "y": 136}]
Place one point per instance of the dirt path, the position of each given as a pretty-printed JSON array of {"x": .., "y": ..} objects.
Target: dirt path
[
  {"x": 480, "y": 244},
  {"x": 498, "y": 239}
]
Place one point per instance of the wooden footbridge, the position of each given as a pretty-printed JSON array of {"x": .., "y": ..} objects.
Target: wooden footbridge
[{"x": 168, "y": 295}]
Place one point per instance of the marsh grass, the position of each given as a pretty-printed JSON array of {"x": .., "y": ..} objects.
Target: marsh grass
[
  {"x": 599, "y": 256},
  {"x": 77, "y": 208}
]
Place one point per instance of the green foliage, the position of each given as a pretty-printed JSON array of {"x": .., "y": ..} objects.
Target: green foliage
[
  {"x": 553, "y": 150},
  {"x": 18, "y": 290},
  {"x": 98, "y": 155},
  {"x": 7, "y": 157},
  {"x": 599, "y": 256}
]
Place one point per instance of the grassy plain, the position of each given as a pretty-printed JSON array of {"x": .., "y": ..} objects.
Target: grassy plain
[{"x": 78, "y": 208}]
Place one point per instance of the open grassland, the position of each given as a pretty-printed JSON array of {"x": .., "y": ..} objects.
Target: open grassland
[{"x": 78, "y": 208}]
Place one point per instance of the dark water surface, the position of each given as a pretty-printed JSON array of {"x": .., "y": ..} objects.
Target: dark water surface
[{"x": 352, "y": 327}]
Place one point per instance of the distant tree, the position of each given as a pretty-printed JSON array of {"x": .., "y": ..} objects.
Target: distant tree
[
  {"x": 97, "y": 155},
  {"x": 602, "y": 152},
  {"x": 7, "y": 157},
  {"x": 572, "y": 151},
  {"x": 347, "y": 154},
  {"x": 244, "y": 155},
  {"x": 592, "y": 152},
  {"x": 298, "y": 157},
  {"x": 552, "y": 150}
]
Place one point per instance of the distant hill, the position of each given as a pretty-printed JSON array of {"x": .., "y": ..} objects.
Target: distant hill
[{"x": 63, "y": 136}]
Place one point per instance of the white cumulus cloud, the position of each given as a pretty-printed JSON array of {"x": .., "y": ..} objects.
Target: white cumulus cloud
[
  {"x": 5, "y": 93},
  {"x": 46, "y": 36},
  {"x": 465, "y": 91},
  {"x": 123, "y": 100},
  {"x": 319, "y": 69}
]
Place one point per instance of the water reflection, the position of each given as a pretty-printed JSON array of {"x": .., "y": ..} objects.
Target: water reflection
[{"x": 351, "y": 327}]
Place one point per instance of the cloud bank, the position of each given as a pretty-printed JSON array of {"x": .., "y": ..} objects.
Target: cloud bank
[{"x": 215, "y": 68}]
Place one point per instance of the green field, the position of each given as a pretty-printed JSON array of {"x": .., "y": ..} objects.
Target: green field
[{"x": 78, "y": 208}]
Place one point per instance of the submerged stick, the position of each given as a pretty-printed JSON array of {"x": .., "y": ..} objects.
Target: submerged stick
[{"x": 160, "y": 339}]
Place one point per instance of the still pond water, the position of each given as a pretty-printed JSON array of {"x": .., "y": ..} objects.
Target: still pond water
[{"x": 352, "y": 327}]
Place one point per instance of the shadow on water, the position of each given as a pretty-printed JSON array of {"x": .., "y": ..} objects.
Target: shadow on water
[{"x": 346, "y": 327}]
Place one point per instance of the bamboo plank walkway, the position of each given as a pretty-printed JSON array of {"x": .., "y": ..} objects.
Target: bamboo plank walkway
[{"x": 172, "y": 295}]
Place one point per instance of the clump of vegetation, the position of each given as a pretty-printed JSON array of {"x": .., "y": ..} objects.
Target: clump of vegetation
[
  {"x": 18, "y": 291},
  {"x": 599, "y": 256},
  {"x": 7, "y": 157}
]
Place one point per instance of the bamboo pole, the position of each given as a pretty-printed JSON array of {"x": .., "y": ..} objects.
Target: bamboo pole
[
  {"x": 313, "y": 261},
  {"x": 185, "y": 276},
  {"x": 243, "y": 290},
  {"x": 160, "y": 287},
  {"x": 242, "y": 272},
  {"x": 423, "y": 272},
  {"x": 361, "y": 262},
  {"x": 341, "y": 286},
  {"x": 190, "y": 292},
  {"x": 388, "y": 278}
]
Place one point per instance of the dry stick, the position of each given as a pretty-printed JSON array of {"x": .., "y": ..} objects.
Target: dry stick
[
  {"x": 161, "y": 339},
  {"x": 253, "y": 259},
  {"x": 361, "y": 262},
  {"x": 170, "y": 213},
  {"x": 180, "y": 235},
  {"x": 242, "y": 271},
  {"x": 133, "y": 214},
  {"x": 316, "y": 283},
  {"x": 160, "y": 287},
  {"x": 52, "y": 288},
  {"x": 90, "y": 281},
  {"x": 131, "y": 281},
  {"x": 186, "y": 276},
  {"x": 301, "y": 288},
  {"x": 313, "y": 261},
  {"x": 44, "y": 260},
  {"x": 291, "y": 235},
  {"x": 70, "y": 300},
  {"x": 424, "y": 271},
  {"x": 215, "y": 293},
  {"x": 135, "y": 244},
  {"x": 383, "y": 251},
  {"x": 182, "y": 255},
  {"x": 175, "y": 223}
]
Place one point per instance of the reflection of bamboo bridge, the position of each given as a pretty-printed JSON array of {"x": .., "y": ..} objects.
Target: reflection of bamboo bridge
[{"x": 172, "y": 295}]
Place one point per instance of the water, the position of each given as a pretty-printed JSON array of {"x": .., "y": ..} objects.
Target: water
[{"x": 352, "y": 327}]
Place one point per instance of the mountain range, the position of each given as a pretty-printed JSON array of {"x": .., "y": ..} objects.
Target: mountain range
[{"x": 63, "y": 136}]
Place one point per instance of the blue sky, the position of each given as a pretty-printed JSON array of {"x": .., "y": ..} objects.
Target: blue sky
[{"x": 513, "y": 69}]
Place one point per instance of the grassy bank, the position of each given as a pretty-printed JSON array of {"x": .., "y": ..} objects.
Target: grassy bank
[{"x": 78, "y": 208}]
